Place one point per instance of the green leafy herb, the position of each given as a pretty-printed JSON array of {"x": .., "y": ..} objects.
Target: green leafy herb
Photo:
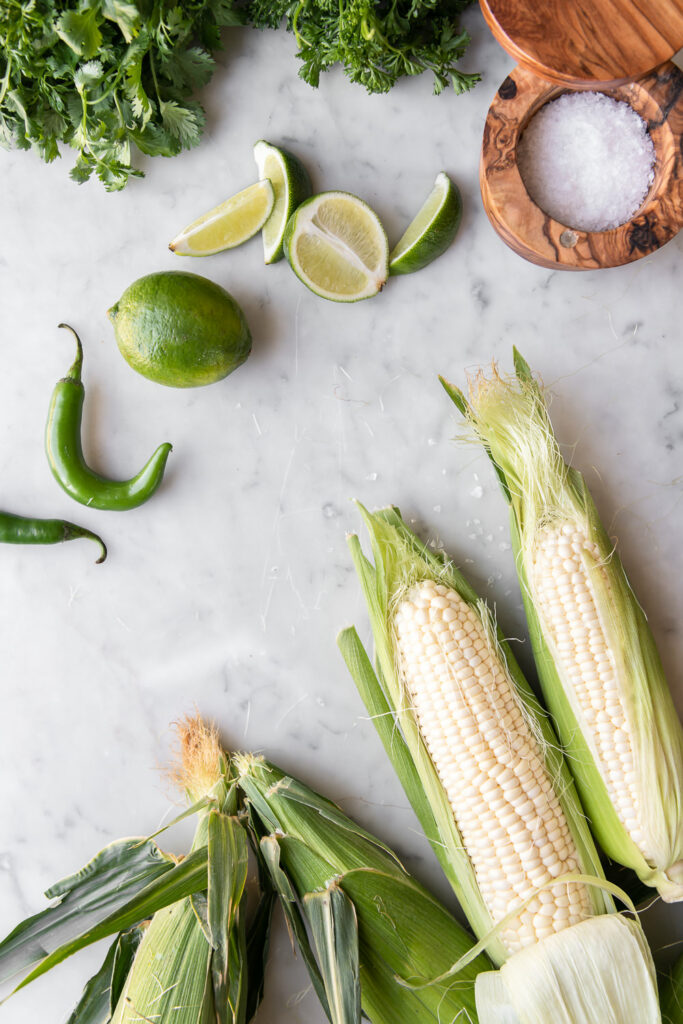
[
  {"x": 103, "y": 76},
  {"x": 106, "y": 76},
  {"x": 376, "y": 42}
]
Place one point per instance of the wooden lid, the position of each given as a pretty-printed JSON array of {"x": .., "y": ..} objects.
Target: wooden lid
[{"x": 587, "y": 41}]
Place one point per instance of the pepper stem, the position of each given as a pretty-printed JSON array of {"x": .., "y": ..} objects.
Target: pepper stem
[{"x": 75, "y": 371}]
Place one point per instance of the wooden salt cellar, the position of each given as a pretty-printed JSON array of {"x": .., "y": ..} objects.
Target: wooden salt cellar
[{"x": 610, "y": 47}]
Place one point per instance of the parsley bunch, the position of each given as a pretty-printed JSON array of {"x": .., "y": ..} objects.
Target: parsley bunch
[
  {"x": 104, "y": 75},
  {"x": 376, "y": 41}
]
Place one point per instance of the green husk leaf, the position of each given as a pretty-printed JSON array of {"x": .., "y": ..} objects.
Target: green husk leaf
[
  {"x": 512, "y": 422},
  {"x": 102, "y": 992},
  {"x": 400, "y": 925},
  {"x": 258, "y": 943},
  {"x": 270, "y": 851},
  {"x": 671, "y": 994},
  {"x": 332, "y": 920},
  {"x": 373, "y": 696},
  {"x": 189, "y": 876},
  {"x": 94, "y": 1005},
  {"x": 170, "y": 979},
  {"x": 125, "y": 949},
  {"x": 287, "y": 805},
  {"x": 115, "y": 875},
  {"x": 416, "y": 937},
  {"x": 228, "y": 851},
  {"x": 385, "y": 1002}
]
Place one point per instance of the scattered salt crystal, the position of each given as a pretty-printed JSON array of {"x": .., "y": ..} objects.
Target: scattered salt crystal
[
  {"x": 477, "y": 491},
  {"x": 587, "y": 160}
]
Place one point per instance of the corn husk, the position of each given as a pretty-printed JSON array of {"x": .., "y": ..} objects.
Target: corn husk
[
  {"x": 170, "y": 979},
  {"x": 599, "y": 970},
  {"x": 102, "y": 992},
  {"x": 671, "y": 994},
  {"x": 363, "y": 925},
  {"x": 184, "y": 951},
  {"x": 511, "y": 420},
  {"x": 400, "y": 559},
  {"x": 125, "y": 883}
]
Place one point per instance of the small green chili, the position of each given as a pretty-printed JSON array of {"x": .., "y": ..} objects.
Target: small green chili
[
  {"x": 25, "y": 530},
  {"x": 65, "y": 454}
]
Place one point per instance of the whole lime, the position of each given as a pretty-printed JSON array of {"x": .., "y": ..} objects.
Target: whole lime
[{"x": 180, "y": 329}]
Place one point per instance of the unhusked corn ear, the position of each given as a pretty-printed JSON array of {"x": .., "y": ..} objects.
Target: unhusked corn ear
[
  {"x": 503, "y": 816},
  {"x": 402, "y": 931},
  {"x": 599, "y": 668},
  {"x": 489, "y": 763}
]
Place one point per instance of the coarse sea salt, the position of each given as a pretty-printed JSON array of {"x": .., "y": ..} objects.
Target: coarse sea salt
[{"x": 587, "y": 160}]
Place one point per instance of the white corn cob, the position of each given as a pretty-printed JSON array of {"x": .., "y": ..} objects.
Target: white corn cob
[
  {"x": 601, "y": 675},
  {"x": 490, "y": 763},
  {"x": 567, "y": 607}
]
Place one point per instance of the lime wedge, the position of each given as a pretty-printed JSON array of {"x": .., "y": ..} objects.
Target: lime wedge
[
  {"x": 291, "y": 186},
  {"x": 432, "y": 230},
  {"x": 336, "y": 245},
  {"x": 227, "y": 225}
]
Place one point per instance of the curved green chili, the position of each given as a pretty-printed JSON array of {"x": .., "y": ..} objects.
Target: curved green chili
[
  {"x": 25, "y": 530},
  {"x": 65, "y": 454}
]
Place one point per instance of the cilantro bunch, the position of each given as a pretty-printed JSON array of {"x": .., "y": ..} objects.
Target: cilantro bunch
[{"x": 103, "y": 76}]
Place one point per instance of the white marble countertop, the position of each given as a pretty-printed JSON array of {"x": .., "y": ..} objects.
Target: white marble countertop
[{"x": 225, "y": 592}]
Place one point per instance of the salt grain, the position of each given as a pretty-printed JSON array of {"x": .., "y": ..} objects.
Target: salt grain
[{"x": 587, "y": 160}]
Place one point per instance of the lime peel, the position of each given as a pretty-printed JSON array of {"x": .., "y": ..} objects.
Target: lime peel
[
  {"x": 431, "y": 231},
  {"x": 229, "y": 224},
  {"x": 291, "y": 186}
]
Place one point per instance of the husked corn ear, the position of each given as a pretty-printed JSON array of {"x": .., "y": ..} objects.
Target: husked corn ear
[
  {"x": 598, "y": 665},
  {"x": 490, "y": 764},
  {"x": 566, "y": 604}
]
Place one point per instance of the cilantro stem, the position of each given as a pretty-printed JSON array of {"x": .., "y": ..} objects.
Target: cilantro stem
[
  {"x": 5, "y": 81},
  {"x": 154, "y": 79}
]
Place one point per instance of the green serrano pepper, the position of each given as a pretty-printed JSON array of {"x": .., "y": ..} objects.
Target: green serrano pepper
[
  {"x": 65, "y": 454},
  {"x": 25, "y": 530}
]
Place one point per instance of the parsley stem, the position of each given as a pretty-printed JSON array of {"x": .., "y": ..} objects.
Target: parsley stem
[{"x": 301, "y": 40}]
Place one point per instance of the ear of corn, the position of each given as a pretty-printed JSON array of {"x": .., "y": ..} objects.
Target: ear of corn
[
  {"x": 550, "y": 981},
  {"x": 195, "y": 961},
  {"x": 313, "y": 851},
  {"x": 479, "y": 760},
  {"x": 600, "y": 671}
]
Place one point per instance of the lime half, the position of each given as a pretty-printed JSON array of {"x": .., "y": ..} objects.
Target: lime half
[
  {"x": 336, "y": 245},
  {"x": 291, "y": 186},
  {"x": 227, "y": 225},
  {"x": 432, "y": 230}
]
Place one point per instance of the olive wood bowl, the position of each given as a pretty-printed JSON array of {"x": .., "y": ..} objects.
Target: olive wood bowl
[{"x": 658, "y": 98}]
